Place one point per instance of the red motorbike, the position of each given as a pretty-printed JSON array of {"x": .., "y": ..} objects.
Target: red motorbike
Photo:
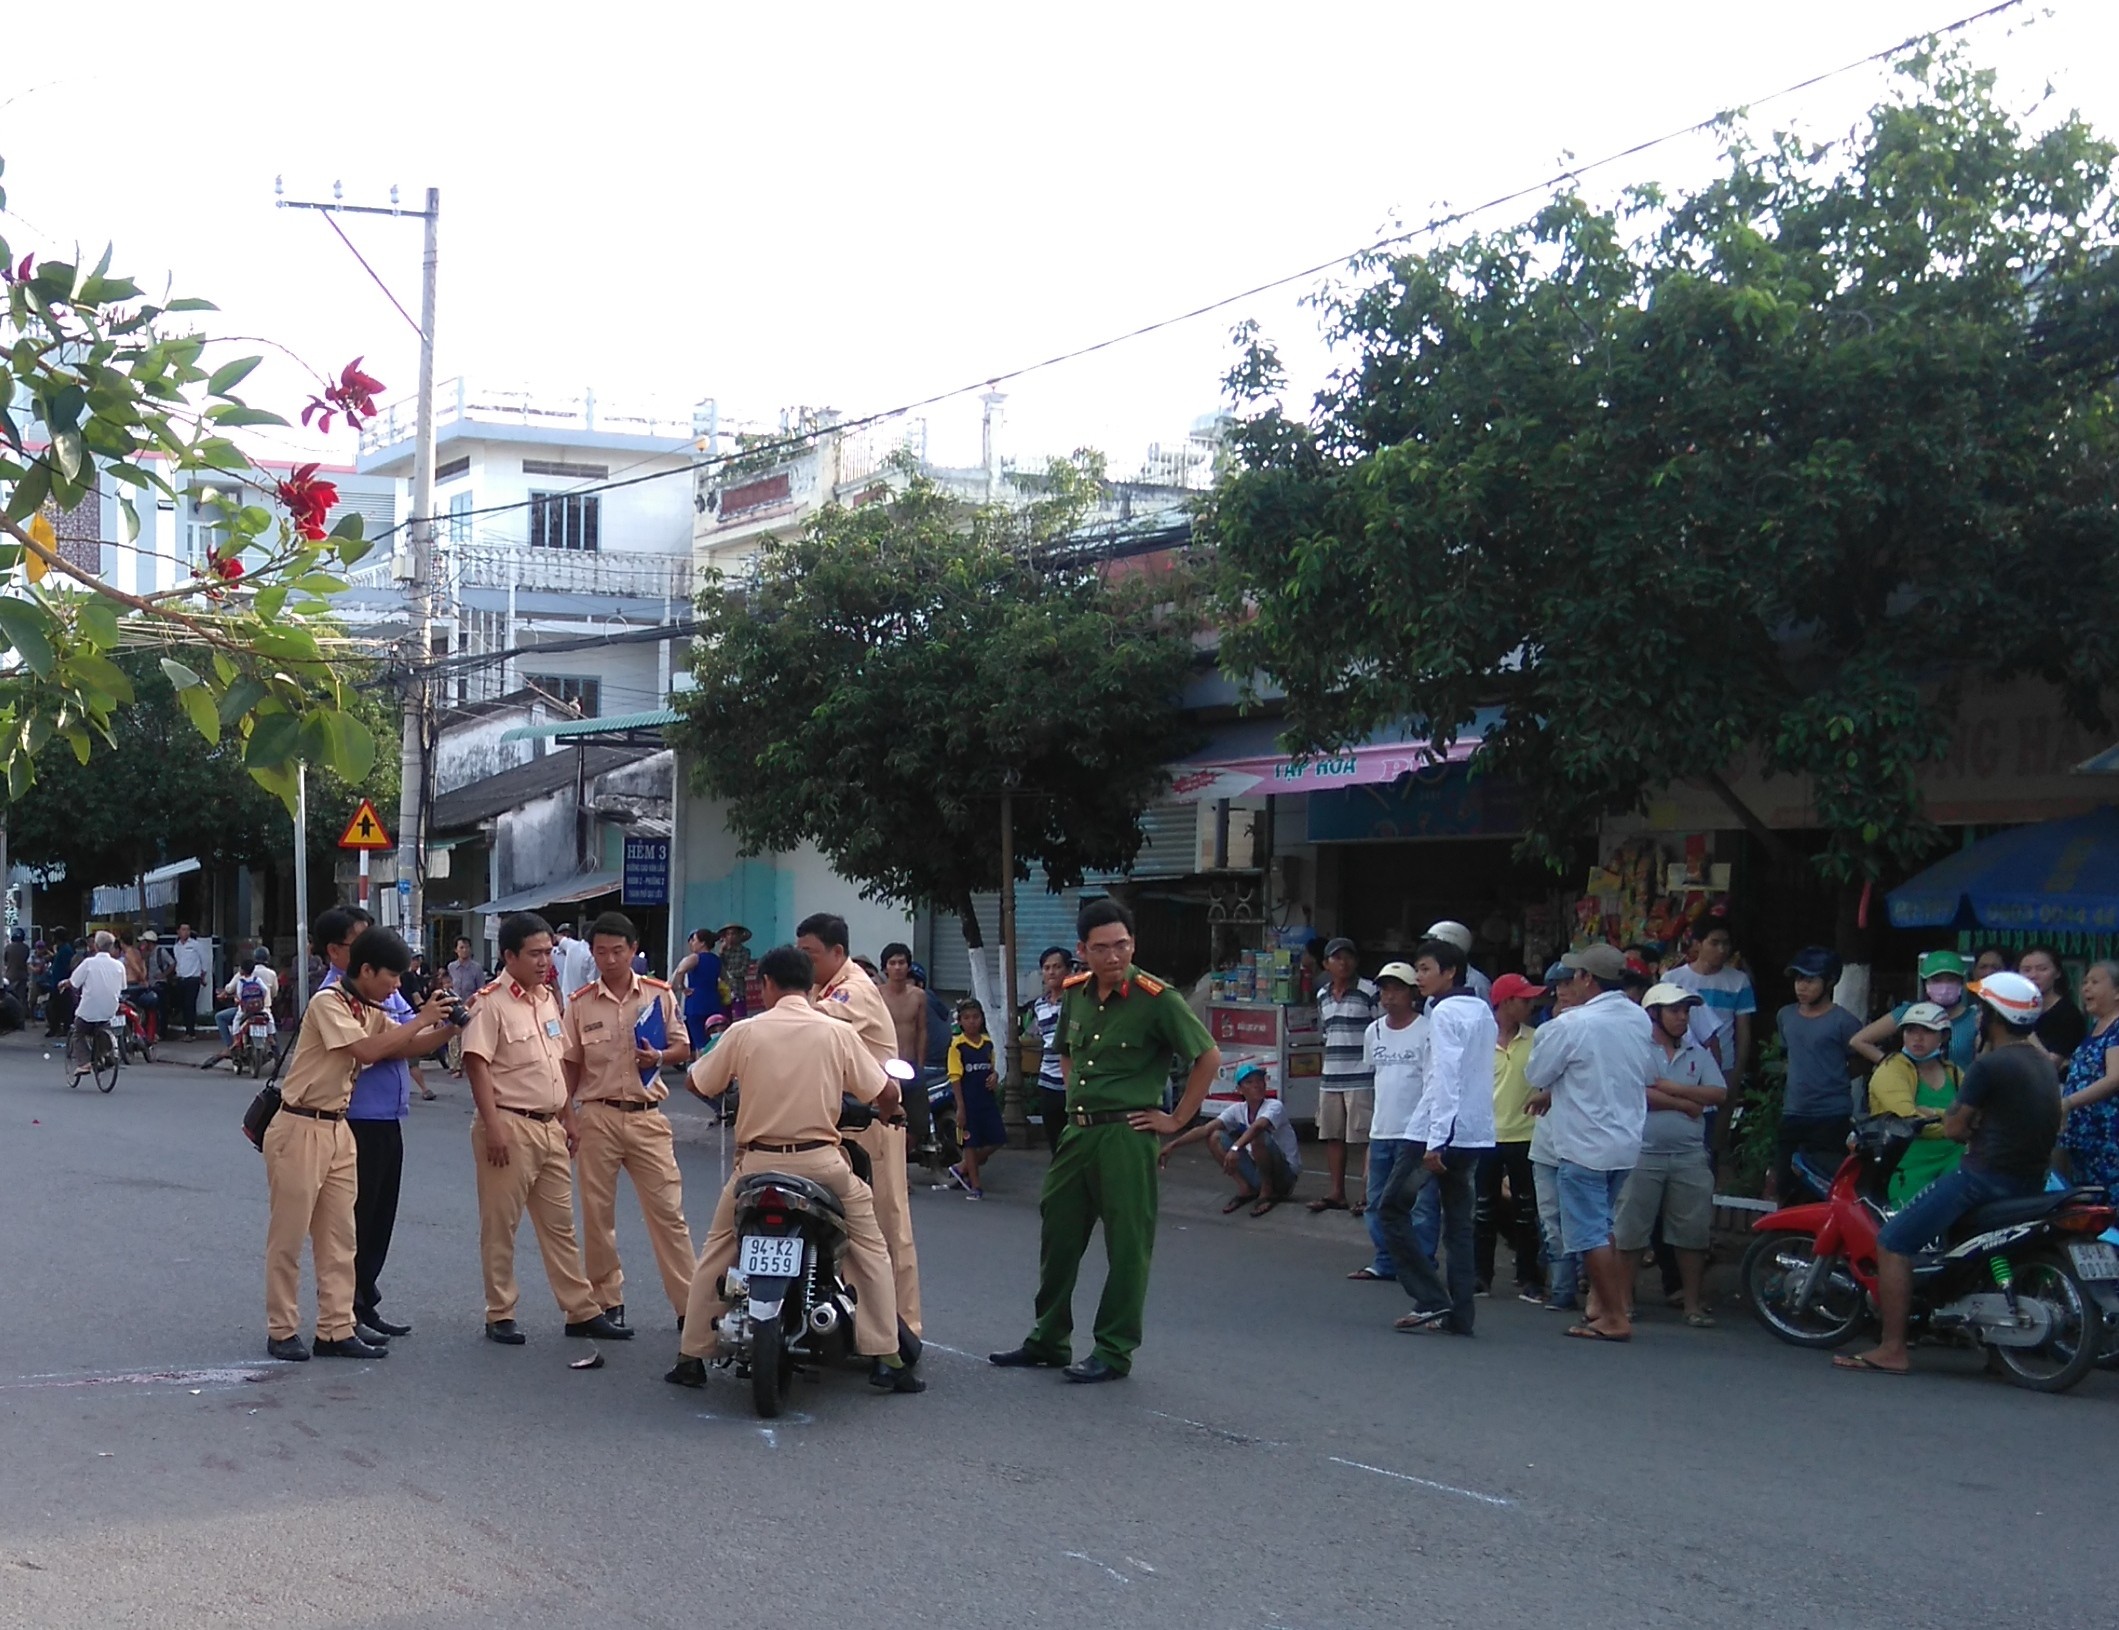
[{"x": 2027, "y": 1278}]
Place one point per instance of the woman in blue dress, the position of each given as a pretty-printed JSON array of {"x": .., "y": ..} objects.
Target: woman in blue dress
[
  {"x": 2090, "y": 1091},
  {"x": 699, "y": 977}
]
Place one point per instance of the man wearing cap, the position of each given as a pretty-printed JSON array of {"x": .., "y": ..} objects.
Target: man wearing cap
[
  {"x": 1451, "y": 1131},
  {"x": 1673, "y": 1181},
  {"x": 1346, "y": 1095},
  {"x": 1589, "y": 1071},
  {"x": 1515, "y": 1212},
  {"x": 1455, "y": 933},
  {"x": 1395, "y": 1048},
  {"x": 1119, "y": 1033},
  {"x": 1942, "y": 982},
  {"x": 732, "y": 945},
  {"x": 1254, "y": 1141}
]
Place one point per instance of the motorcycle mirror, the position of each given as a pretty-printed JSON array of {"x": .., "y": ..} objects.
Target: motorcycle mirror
[{"x": 898, "y": 1070}]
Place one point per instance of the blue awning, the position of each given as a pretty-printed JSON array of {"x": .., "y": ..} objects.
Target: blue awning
[{"x": 2054, "y": 877}]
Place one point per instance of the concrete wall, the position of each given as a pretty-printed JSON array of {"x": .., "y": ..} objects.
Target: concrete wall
[
  {"x": 654, "y": 517},
  {"x": 537, "y": 842},
  {"x": 469, "y": 750},
  {"x": 769, "y": 894}
]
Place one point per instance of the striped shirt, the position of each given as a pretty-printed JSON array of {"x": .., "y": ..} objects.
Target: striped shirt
[
  {"x": 1344, "y": 1022},
  {"x": 1046, "y": 1013}
]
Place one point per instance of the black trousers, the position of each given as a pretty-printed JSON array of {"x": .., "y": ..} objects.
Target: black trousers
[
  {"x": 379, "y": 1152},
  {"x": 1053, "y": 1107},
  {"x": 1823, "y": 1138},
  {"x": 1514, "y": 1215}
]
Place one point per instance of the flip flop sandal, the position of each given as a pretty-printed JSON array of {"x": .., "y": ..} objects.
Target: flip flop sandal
[
  {"x": 1589, "y": 1332},
  {"x": 1263, "y": 1206},
  {"x": 1413, "y": 1323},
  {"x": 1359, "y": 1208},
  {"x": 1372, "y": 1275},
  {"x": 1855, "y": 1361},
  {"x": 1326, "y": 1205},
  {"x": 1238, "y": 1203},
  {"x": 1700, "y": 1321}
]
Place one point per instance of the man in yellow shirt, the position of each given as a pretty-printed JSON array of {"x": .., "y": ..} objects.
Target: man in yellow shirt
[{"x": 1507, "y": 1196}]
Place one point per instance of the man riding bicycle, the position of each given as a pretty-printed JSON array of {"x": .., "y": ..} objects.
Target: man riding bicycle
[{"x": 98, "y": 981}]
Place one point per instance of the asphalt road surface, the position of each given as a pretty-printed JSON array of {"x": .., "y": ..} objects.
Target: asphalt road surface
[{"x": 1279, "y": 1456}]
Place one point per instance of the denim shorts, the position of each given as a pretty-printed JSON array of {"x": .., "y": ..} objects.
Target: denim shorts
[
  {"x": 1926, "y": 1218},
  {"x": 1588, "y": 1200}
]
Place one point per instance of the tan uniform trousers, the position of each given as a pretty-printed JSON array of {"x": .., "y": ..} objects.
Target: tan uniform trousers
[
  {"x": 538, "y": 1176},
  {"x": 639, "y": 1143},
  {"x": 886, "y": 1154},
  {"x": 865, "y": 1261},
  {"x": 310, "y": 1170}
]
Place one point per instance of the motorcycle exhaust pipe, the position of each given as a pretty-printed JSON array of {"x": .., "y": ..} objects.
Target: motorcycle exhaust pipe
[{"x": 824, "y": 1318}]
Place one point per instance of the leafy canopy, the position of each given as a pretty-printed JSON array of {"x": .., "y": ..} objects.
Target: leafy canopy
[
  {"x": 98, "y": 381},
  {"x": 877, "y": 681},
  {"x": 1778, "y": 465}
]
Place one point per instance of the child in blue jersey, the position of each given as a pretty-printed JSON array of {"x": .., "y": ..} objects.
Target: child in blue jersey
[{"x": 978, "y": 1106}]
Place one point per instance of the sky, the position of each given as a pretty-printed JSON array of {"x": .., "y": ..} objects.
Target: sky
[{"x": 856, "y": 206}]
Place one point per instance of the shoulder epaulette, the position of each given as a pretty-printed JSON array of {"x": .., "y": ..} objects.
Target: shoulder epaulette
[
  {"x": 1073, "y": 980},
  {"x": 585, "y": 989},
  {"x": 487, "y": 990},
  {"x": 1149, "y": 983}
]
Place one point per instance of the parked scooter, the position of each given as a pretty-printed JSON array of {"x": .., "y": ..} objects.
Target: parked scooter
[
  {"x": 131, "y": 1035},
  {"x": 2028, "y": 1278},
  {"x": 789, "y": 1306}
]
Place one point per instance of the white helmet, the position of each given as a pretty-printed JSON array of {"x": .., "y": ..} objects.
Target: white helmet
[
  {"x": 1450, "y": 933},
  {"x": 2012, "y": 996}
]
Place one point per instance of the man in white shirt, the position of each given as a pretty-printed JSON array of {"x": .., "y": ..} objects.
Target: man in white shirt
[
  {"x": 1455, "y": 933},
  {"x": 1451, "y": 1129},
  {"x": 1395, "y": 1048},
  {"x": 574, "y": 960},
  {"x": 193, "y": 969},
  {"x": 1590, "y": 1070},
  {"x": 1255, "y": 1142},
  {"x": 98, "y": 980},
  {"x": 255, "y": 968}
]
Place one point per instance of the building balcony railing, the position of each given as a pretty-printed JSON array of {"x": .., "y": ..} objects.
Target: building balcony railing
[
  {"x": 548, "y": 571},
  {"x": 458, "y": 400}
]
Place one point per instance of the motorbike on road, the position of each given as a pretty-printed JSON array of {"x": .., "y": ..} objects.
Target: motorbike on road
[
  {"x": 2027, "y": 1279},
  {"x": 130, "y": 1034},
  {"x": 790, "y": 1308}
]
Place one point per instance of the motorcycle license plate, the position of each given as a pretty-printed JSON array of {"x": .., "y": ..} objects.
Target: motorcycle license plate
[
  {"x": 779, "y": 1256},
  {"x": 2095, "y": 1261}
]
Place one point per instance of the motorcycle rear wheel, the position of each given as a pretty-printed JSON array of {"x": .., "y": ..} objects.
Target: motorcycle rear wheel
[
  {"x": 1771, "y": 1265},
  {"x": 2071, "y": 1351},
  {"x": 768, "y": 1367}
]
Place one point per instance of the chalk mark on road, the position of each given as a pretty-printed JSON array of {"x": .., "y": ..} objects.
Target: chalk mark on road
[
  {"x": 1213, "y": 1431},
  {"x": 1423, "y": 1482},
  {"x": 1083, "y": 1556},
  {"x": 220, "y": 1376}
]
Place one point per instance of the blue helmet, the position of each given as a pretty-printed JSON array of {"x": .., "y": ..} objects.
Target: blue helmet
[{"x": 1816, "y": 962}]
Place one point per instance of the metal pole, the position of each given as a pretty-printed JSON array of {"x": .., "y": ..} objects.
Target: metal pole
[
  {"x": 1008, "y": 957},
  {"x": 412, "y": 757},
  {"x": 301, "y": 888}
]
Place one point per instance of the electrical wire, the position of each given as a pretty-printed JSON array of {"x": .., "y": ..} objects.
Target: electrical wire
[
  {"x": 1426, "y": 228},
  {"x": 373, "y": 273}
]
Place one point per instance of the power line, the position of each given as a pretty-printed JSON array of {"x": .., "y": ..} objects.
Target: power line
[{"x": 1426, "y": 228}]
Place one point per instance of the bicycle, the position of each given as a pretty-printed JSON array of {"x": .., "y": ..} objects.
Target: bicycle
[{"x": 93, "y": 1038}]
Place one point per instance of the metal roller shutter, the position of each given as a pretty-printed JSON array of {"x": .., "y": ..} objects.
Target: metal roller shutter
[
  {"x": 1169, "y": 845},
  {"x": 1042, "y": 918}
]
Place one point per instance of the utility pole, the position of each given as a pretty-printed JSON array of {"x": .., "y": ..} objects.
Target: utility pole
[
  {"x": 1013, "y": 1044},
  {"x": 415, "y": 571},
  {"x": 301, "y": 887}
]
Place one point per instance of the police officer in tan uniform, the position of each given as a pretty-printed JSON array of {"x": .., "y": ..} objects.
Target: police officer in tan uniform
[
  {"x": 795, "y": 1065},
  {"x": 524, "y": 1134},
  {"x": 310, "y": 1161},
  {"x": 621, "y": 1029},
  {"x": 846, "y": 992}
]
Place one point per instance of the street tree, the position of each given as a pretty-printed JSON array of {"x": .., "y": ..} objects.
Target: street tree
[
  {"x": 874, "y": 683},
  {"x": 1777, "y": 466},
  {"x": 101, "y": 383}
]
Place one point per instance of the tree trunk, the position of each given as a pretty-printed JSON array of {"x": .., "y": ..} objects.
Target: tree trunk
[{"x": 975, "y": 944}]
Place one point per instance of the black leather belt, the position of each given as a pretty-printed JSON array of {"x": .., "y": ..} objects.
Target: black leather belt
[
  {"x": 1102, "y": 1117},
  {"x": 630, "y": 1106},
  {"x": 528, "y": 1114},
  {"x": 787, "y": 1148},
  {"x": 314, "y": 1114}
]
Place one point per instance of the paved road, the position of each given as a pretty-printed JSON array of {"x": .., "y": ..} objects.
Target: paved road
[{"x": 1279, "y": 1458}]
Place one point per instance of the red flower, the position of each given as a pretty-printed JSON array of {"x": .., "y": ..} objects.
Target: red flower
[
  {"x": 20, "y": 274},
  {"x": 225, "y": 567},
  {"x": 308, "y": 501},
  {"x": 353, "y": 395}
]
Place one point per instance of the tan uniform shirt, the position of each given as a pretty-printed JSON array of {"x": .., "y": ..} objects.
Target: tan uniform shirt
[
  {"x": 850, "y": 995},
  {"x": 599, "y": 1037},
  {"x": 521, "y": 1036},
  {"x": 321, "y": 1072},
  {"x": 794, "y": 1065}
]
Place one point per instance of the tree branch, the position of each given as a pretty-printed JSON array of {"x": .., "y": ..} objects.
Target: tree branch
[{"x": 1776, "y": 850}]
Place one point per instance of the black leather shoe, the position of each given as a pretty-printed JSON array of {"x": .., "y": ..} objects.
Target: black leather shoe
[
  {"x": 601, "y": 1329},
  {"x": 1022, "y": 1358},
  {"x": 364, "y": 1331},
  {"x": 689, "y": 1372},
  {"x": 288, "y": 1349},
  {"x": 1092, "y": 1368},
  {"x": 380, "y": 1325},
  {"x": 616, "y": 1315},
  {"x": 898, "y": 1380},
  {"x": 349, "y": 1347},
  {"x": 504, "y": 1332}
]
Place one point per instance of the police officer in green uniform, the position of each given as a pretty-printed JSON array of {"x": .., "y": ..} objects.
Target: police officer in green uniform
[{"x": 1118, "y": 1031}]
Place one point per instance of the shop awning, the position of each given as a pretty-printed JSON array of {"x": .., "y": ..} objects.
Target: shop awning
[
  {"x": 563, "y": 891},
  {"x": 617, "y": 725},
  {"x": 2054, "y": 877},
  {"x": 1225, "y": 770}
]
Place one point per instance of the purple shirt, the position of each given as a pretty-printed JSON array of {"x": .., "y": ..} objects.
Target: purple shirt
[{"x": 381, "y": 1092}]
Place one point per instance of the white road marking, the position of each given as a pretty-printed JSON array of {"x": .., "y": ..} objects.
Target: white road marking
[
  {"x": 1423, "y": 1482},
  {"x": 1083, "y": 1556},
  {"x": 215, "y": 1377}
]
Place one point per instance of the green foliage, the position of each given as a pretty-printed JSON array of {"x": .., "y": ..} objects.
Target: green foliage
[
  {"x": 878, "y": 680},
  {"x": 1781, "y": 465},
  {"x": 99, "y": 382}
]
